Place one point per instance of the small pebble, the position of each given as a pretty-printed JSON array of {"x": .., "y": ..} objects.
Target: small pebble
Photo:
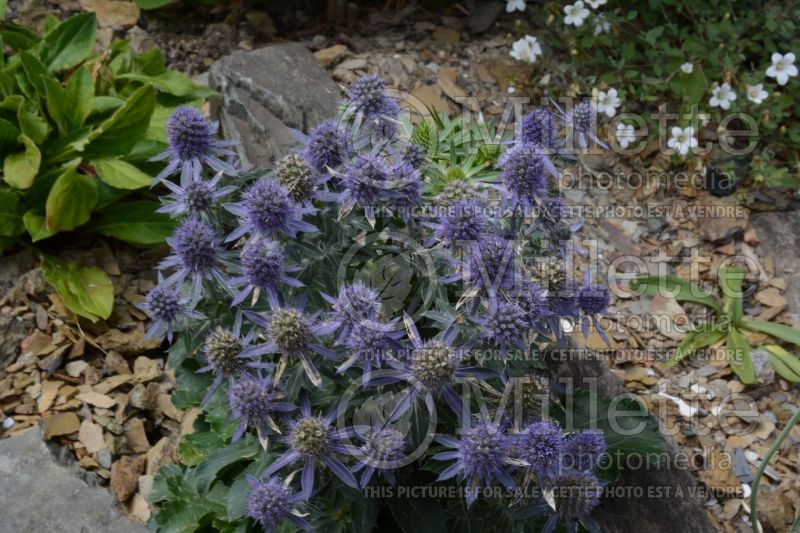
[
  {"x": 8, "y": 423},
  {"x": 104, "y": 458}
]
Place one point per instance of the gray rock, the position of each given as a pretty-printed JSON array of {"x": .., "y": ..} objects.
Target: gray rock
[
  {"x": 779, "y": 239},
  {"x": 39, "y": 494},
  {"x": 267, "y": 91},
  {"x": 12, "y": 332},
  {"x": 626, "y": 511}
]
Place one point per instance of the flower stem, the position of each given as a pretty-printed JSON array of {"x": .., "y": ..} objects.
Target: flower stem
[{"x": 763, "y": 466}]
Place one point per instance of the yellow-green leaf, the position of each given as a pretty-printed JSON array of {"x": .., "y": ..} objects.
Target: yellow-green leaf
[
  {"x": 120, "y": 174},
  {"x": 87, "y": 292},
  {"x": 20, "y": 169},
  {"x": 739, "y": 357},
  {"x": 70, "y": 201}
]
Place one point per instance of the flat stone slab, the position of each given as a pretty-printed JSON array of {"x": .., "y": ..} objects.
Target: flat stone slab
[
  {"x": 779, "y": 238},
  {"x": 39, "y": 494},
  {"x": 267, "y": 91}
]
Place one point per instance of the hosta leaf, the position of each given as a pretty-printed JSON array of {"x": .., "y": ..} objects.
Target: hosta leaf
[
  {"x": 135, "y": 222},
  {"x": 85, "y": 291},
  {"x": 120, "y": 132},
  {"x": 69, "y": 43},
  {"x": 739, "y": 357},
  {"x": 20, "y": 169},
  {"x": 70, "y": 201},
  {"x": 120, "y": 174}
]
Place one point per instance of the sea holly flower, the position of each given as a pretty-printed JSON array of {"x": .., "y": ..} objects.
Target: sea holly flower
[
  {"x": 607, "y": 102},
  {"x": 191, "y": 145},
  {"x": 370, "y": 343},
  {"x": 575, "y": 14},
  {"x": 782, "y": 68},
  {"x": 295, "y": 174},
  {"x": 382, "y": 450},
  {"x": 687, "y": 68},
  {"x": 325, "y": 146},
  {"x": 266, "y": 209},
  {"x": 263, "y": 268},
  {"x": 253, "y": 401},
  {"x": 227, "y": 354},
  {"x": 682, "y": 140},
  {"x": 625, "y": 135},
  {"x": 367, "y": 97},
  {"x": 722, "y": 96},
  {"x": 524, "y": 173},
  {"x": 432, "y": 366},
  {"x": 196, "y": 254},
  {"x": 489, "y": 266},
  {"x": 408, "y": 184},
  {"x": 293, "y": 334},
  {"x": 455, "y": 191},
  {"x": 312, "y": 440},
  {"x": 539, "y": 128},
  {"x": 756, "y": 93},
  {"x": 504, "y": 326},
  {"x": 271, "y": 501},
  {"x": 581, "y": 123},
  {"x": 483, "y": 455},
  {"x": 459, "y": 222},
  {"x": 515, "y": 5},
  {"x": 526, "y": 49},
  {"x": 166, "y": 307},
  {"x": 414, "y": 155},
  {"x": 534, "y": 303},
  {"x": 583, "y": 450},
  {"x": 574, "y": 495},
  {"x": 540, "y": 446},
  {"x": 593, "y": 300},
  {"x": 354, "y": 304},
  {"x": 197, "y": 198}
]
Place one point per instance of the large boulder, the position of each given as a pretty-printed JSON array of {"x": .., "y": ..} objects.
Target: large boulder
[
  {"x": 779, "y": 239},
  {"x": 638, "y": 506},
  {"x": 37, "y": 493},
  {"x": 267, "y": 91}
]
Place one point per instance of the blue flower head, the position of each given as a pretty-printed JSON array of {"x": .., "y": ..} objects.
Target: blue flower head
[
  {"x": 584, "y": 450},
  {"x": 192, "y": 144},
  {"x": 271, "y": 501},
  {"x": 524, "y": 173},
  {"x": 482, "y": 456},
  {"x": 461, "y": 221},
  {"x": 539, "y": 128},
  {"x": 267, "y": 209},
  {"x": 253, "y": 401},
  {"x": 325, "y": 146},
  {"x": 383, "y": 449},
  {"x": 540, "y": 445}
]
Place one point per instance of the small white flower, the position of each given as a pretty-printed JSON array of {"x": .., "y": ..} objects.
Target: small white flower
[
  {"x": 722, "y": 96},
  {"x": 576, "y": 14},
  {"x": 607, "y": 102},
  {"x": 597, "y": 3},
  {"x": 687, "y": 68},
  {"x": 682, "y": 140},
  {"x": 625, "y": 135},
  {"x": 756, "y": 93},
  {"x": 515, "y": 5},
  {"x": 601, "y": 24},
  {"x": 526, "y": 49},
  {"x": 782, "y": 68}
]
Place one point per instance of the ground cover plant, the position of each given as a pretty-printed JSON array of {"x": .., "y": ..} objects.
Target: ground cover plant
[
  {"x": 323, "y": 393},
  {"x": 77, "y": 132},
  {"x": 721, "y": 65}
]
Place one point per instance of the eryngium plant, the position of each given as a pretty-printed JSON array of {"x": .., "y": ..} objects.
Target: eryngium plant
[{"x": 348, "y": 320}]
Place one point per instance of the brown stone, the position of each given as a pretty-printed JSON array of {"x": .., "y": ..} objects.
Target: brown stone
[
  {"x": 125, "y": 475},
  {"x": 61, "y": 424}
]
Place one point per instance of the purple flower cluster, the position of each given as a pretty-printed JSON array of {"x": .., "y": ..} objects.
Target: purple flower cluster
[{"x": 249, "y": 254}]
